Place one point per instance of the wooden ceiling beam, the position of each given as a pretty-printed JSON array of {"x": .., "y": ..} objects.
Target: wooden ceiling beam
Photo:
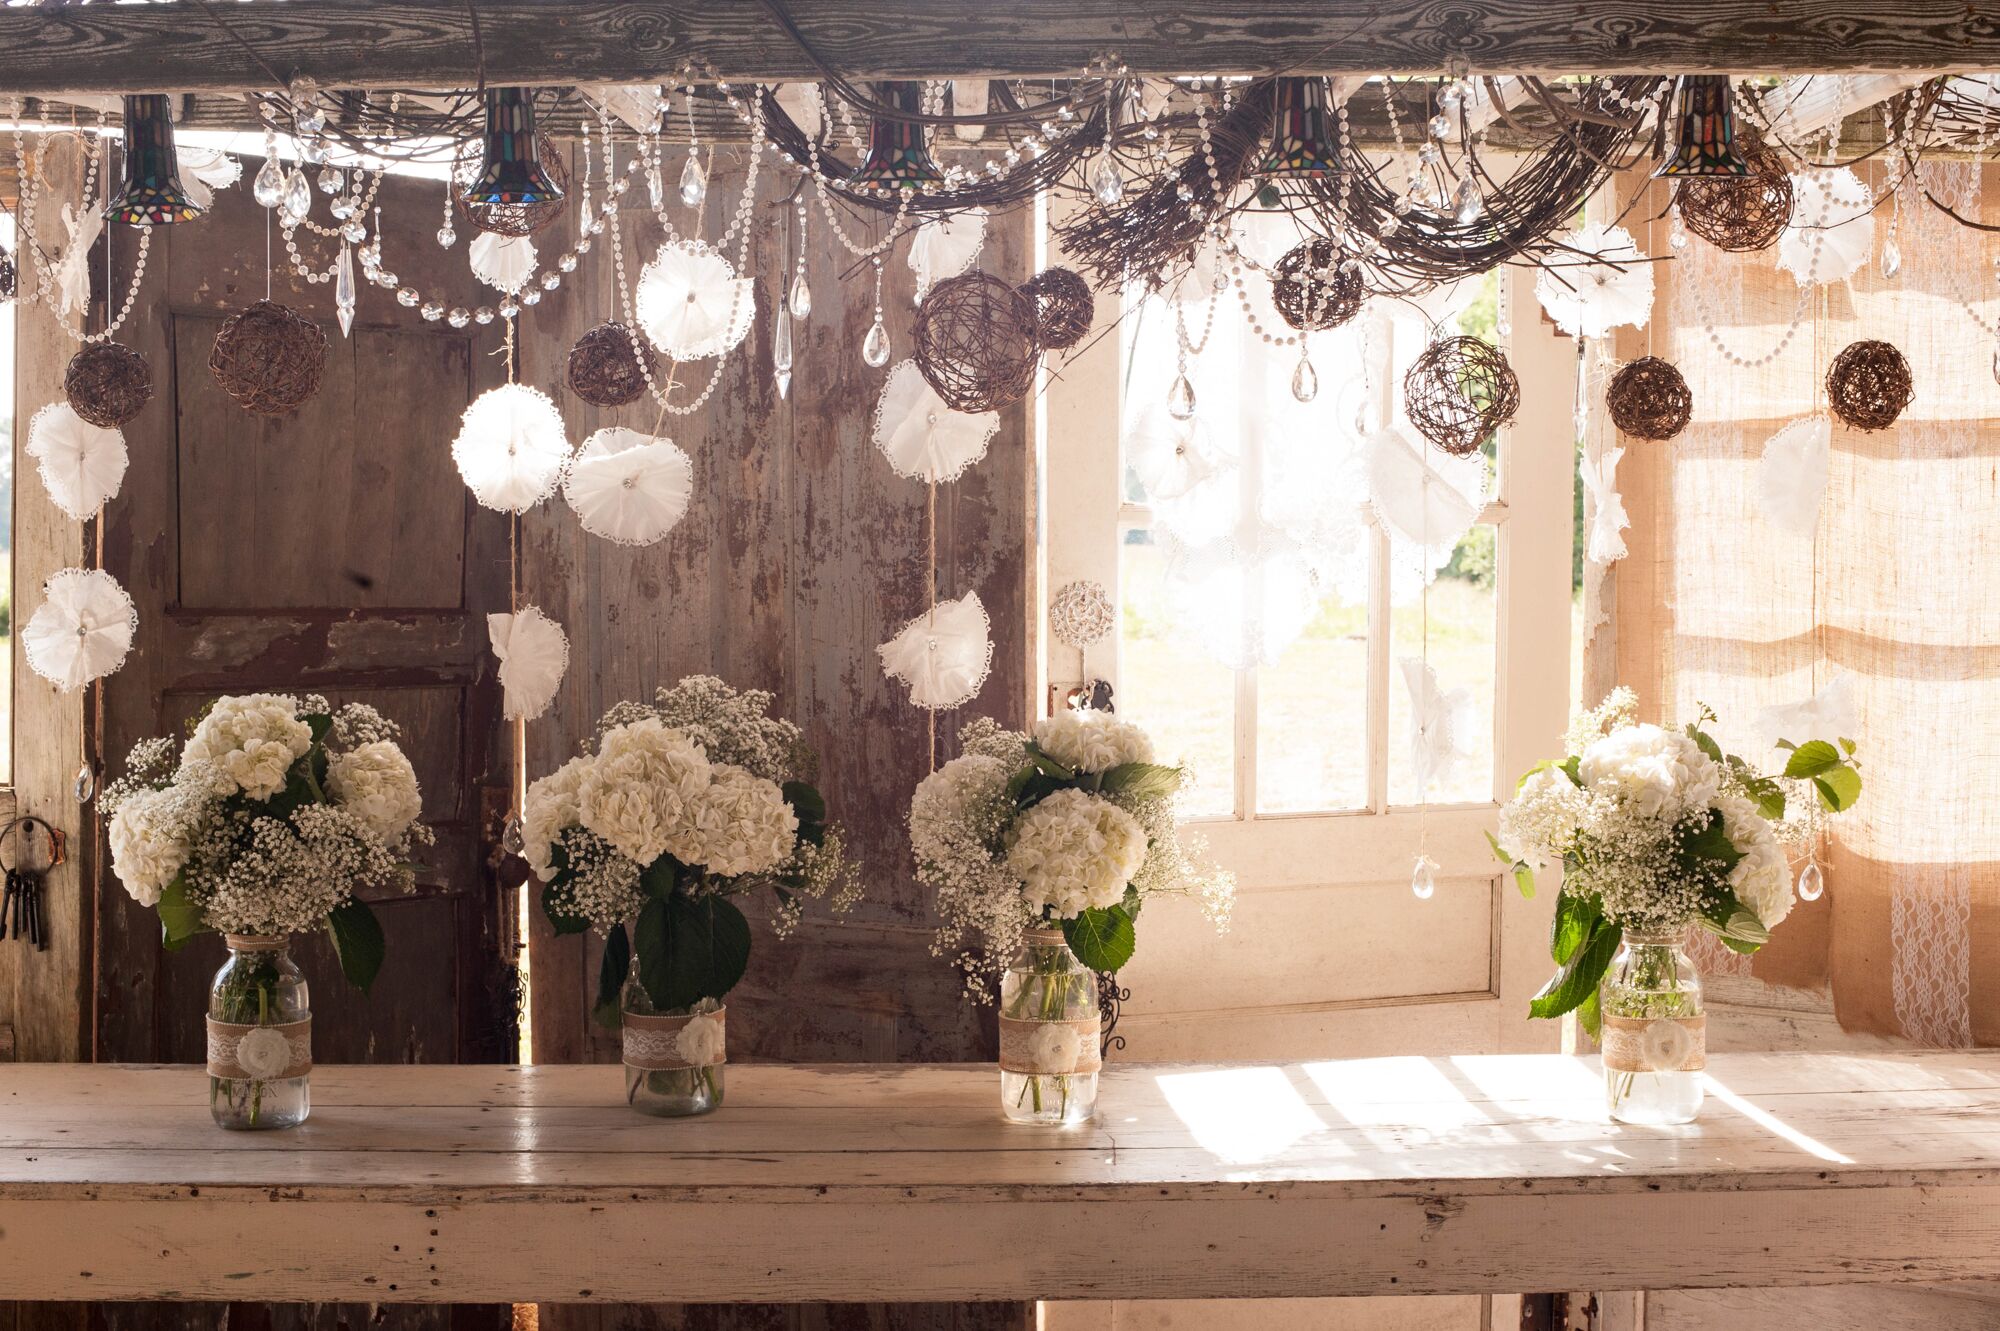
[{"x": 235, "y": 46}]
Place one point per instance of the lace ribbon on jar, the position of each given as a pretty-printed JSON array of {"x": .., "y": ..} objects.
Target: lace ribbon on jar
[{"x": 671, "y": 1044}]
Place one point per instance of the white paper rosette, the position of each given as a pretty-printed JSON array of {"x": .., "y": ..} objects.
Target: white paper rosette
[
  {"x": 1791, "y": 476},
  {"x": 504, "y": 263},
  {"x": 81, "y": 465},
  {"x": 629, "y": 487},
  {"x": 1598, "y": 282},
  {"x": 944, "y": 655},
  {"x": 534, "y": 654},
  {"x": 690, "y": 302},
  {"x": 82, "y": 629},
  {"x": 922, "y": 437},
  {"x": 510, "y": 448},
  {"x": 1832, "y": 230}
]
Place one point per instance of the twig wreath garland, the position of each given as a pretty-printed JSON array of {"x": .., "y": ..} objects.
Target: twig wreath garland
[
  {"x": 1868, "y": 385},
  {"x": 604, "y": 368},
  {"x": 975, "y": 342},
  {"x": 1312, "y": 290},
  {"x": 108, "y": 383},
  {"x": 1459, "y": 391},
  {"x": 1649, "y": 399},
  {"x": 269, "y": 358},
  {"x": 1064, "y": 307}
]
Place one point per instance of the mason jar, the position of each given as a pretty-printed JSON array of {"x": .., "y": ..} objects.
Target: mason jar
[
  {"x": 1654, "y": 1039},
  {"x": 673, "y": 1059},
  {"x": 259, "y": 1036},
  {"x": 1049, "y": 1026}
]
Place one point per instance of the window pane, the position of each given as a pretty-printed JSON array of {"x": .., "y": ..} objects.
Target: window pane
[
  {"x": 1312, "y": 718},
  {"x": 1185, "y": 701},
  {"x": 1458, "y": 641},
  {"x": 7, "y": 414}
]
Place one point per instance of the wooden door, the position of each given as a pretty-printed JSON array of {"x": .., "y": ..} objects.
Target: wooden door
[{"x": 333, "y": 551}]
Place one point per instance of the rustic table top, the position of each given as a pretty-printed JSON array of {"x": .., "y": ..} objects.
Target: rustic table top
[{"x": 1397, "y": 1175}]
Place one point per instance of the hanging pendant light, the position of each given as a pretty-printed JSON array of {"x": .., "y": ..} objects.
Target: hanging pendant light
[
  {"x": 152, "y": 194},
  {"x": 1301, "y": 148},
  {"x": 1705, "y": 143},
  {"x": 511, "y": 172},
  {"x": 897, "y": 158}
]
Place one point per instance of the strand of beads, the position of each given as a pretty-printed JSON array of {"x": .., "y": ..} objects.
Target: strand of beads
[{"x": 29, "y": 196}]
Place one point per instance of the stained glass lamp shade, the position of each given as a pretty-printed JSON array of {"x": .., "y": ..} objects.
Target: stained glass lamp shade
[
  {"x": 1300, "y": 146},
  {"x": 511, "y": 172},
  {"x": 897, "y": 157},
  {"x": 152, "y": 194},
  {"x": 1705, "y": 122}
]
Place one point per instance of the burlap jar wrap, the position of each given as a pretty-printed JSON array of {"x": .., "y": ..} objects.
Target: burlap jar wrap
[
  {"x": 1050, "y": 1048},
  {"x": 1655, "y": 1044},
  {"x": 655, "y": 1044},
  {"x": 239, "y": 1052}
]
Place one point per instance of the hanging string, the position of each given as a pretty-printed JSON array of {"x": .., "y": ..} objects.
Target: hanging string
[{"x": 931, "y": 582}]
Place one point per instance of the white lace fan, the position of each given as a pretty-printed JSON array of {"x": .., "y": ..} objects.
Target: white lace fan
[
  {"x": 1598, "y": 282},
  {"x": 1830, "y": 714},
  {"x": 504, "y": 263},
  {"x": 1791, "y": 476},
  {"x": 1425, "y": 498},
  {"x": 923, "y": 438},
  {"x": 1440, "y": 723},
  {"x": 1608, "y": 520},
  {"x": 629, "y": 487},
  {"x": 1190, "y": 482},
  {"x": 690, "y": 302},
  {"x": 72, "y": 277},
  {"x": 510, "y": 448},
  {"x": 1832, "y": 230},
  {"x": 205, "y": 170},
  {"x": 82, "y": 465},
  {"x": 82, "y": 629},
  {"x": 533, "y": 652},
  {"x": 944, "y": 655},
  {"x": 946, "y": 246}
]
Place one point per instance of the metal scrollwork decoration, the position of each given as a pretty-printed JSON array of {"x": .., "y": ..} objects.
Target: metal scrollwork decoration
[{"x": 1109, "y": 998}]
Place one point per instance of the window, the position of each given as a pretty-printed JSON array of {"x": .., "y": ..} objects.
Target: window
[{"x": 8, "y": 411}]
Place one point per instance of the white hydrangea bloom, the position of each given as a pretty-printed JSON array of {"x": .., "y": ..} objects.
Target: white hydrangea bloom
[
  {"x": 550, "y": 806},
  {"x": 1762, "y": 879},
  {"x": 376, "y": 783},
  {"x": 746, "y": 825},
  {"x": 150, "y": 841},
  {"x": 251, "y": 742},
  {"x": 1092, "y": 740},
  {"x": 644, "y": 791},
  {"x": 1661, "y": 773},
  {"x": 1075, "y": 852}
]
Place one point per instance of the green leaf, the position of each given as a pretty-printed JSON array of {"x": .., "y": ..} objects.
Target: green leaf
[
  {"x": 320, "y": 724},
  {"x": 1590, "y": 1013},
  {"x": 810, "y": 806},
  {"x": 1705, "y": 742},
  {"x": 1578, "y": 979},
  {"x": 357, "y": 937},
  {"x": 611, "y": 973},
  {"x": 1572, "y": 767},
  {"x": 1048, "y": 765},
  {"x": 1736, "y": 925},
  {"x": 1770, "y": 796},
  {"x": 1713, "y": 843},
  {"x": 560, "y": 920},
  {"x": 1524, "y": 876},
  {"x": 1848, "y": 747},
  {"x": 1811, "y": 758},
  {"x": 1839, "y": 787},
  {"x": 690, "y": 949},
  {"x": 1102, "y": 939},
  {"x": 179, "y": 919},
  {"x": 1576, "y": 918},
  {"x": 1142, "y": 780},
  {"x": 659, "y": 877}
]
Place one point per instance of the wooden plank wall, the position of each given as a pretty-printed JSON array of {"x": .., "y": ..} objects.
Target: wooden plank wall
[{"x": 801, "y": 551}]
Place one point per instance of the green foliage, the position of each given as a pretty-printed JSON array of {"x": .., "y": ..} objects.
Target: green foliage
[
  {"x": 1524, "y": 875},
  {"x": 611, "y": 973},
  {"x": 180, "y": 919},
  {"x": 1577, "y": 981},
  {"x": 1103, "y": 939},
  {"x": 1476, "y": 558},
  {"x": 690, "y": 949},
  {"x": 1141, "y": 780},
  {"x": 357, "y": 938},
  {"x": 810, "y": 806}
]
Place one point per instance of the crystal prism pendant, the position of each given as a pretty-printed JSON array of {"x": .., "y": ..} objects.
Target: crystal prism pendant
[
  {"x": 781, "y": 353},
  {"x": 694, "y": 183},
  {"x": 875, "y": 348},
  {"x": 1466, "y": 202},
  {"x": 1996, "y": 362},
  {"x": 801, "y": 299},
  {"x": 1107, "y": 182},
  {"x": 1424, "y": 878},
  {"x": 84, "y": 788},
  {"x": 332, "y": 180},
  {"x": 1812, "y": 882},
  {"x": 1677, "y": 235},
  {"x": 1440, "y": 126},
  {"x": 1305, "y": 381},
  {"x": 1892, "y": 259},
  {"x": 656, "y": 193},
  {"x": 1180, "y": 399},
  {"x": 298, "y": 199},
  {"x": 511, "y": 839},
  {"x": 446, "y": 237},
  {"x": 343, "y": 290},
  {"x": 269, "y": 186}
]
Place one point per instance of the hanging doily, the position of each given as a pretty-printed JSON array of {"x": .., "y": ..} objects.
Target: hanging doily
[
  {"x": 922, "y": 437},
  {"x": 1607, "y": 520},
  {"x": 944, "y": 655},
  {"x": 946, "y": 246},
  {"x": 1832, "y": 230},
  {"x": 1596, "y": 281},
  {"x": 690, "y": 302},
  {"x": 1791, "y": 476},
  {"x": 82, "y": 629},
  {"x": 1831, "y": 714},
  {"x": 510, "y": 448},
  {"x": 81, "y": 465},
  {"x": 1441, "y": 724},
  {"x": 1188, "y": 479},
  {"x": 505, "y": 263},
  {"x": 1426, "y": 500},
  {"x": 629, "y": 487},
  {"x": 534, "y": 653}
]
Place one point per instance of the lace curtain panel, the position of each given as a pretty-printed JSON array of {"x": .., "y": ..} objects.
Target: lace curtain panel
[{"x": 1898, "y": 590}]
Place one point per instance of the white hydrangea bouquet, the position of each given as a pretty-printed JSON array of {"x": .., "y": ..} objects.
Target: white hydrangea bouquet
[
  {"x": 674, "y": 808},
  {"x": 1656, "y": 830},
  {"x": 270, "y": 817}
]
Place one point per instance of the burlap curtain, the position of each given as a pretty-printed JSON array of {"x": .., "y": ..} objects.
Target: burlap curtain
[{"x": 1899, "y": 590}]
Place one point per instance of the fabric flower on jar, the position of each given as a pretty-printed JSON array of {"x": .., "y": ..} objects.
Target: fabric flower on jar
[
  {"x": 1056, "y": 1048},
  {"x": 264, "y": 1053},
  {"x": 1665, "y": 1045},
  {"x": 700, "y": 1042}
]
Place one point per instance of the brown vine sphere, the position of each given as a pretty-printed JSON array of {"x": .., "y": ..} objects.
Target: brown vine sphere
[
  {"x": 1312, "y": 291},
  {"x": 1064, "y": 307},
  {"x": 1868, "y": 385},
  {"x": 975, "y": 342},
  {"x": 1458, "y": 392},
  {"x": 269, "y": 358},
  {"x": 604, "y": 369},
  {"x": 1649, "y": 399},
  {"x": 107, "y": 383}
]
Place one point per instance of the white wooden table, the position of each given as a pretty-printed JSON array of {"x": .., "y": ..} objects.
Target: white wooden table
[{"x": 1412, "y": 1175}]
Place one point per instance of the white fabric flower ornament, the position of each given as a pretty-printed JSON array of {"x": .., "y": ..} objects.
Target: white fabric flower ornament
[
  {"x": 1425, "y": 498},
  {"x": 1792, "y": 474},
  {"x": 946, "y": 246},
  {"x": 1056, "y": 1048},
  {"x": 534, "y": 654},
  {"x": 944, "y": 655},
  {"x": 81, "y": 465},
  {"x": 1608, "y": 519},
  {"x": 1664, "y": 1045},
  {"x": 690, "y": 302},
  {"x": 1596, "y": 282},
  {"x": 82, "y": 629},
  {"x": 1832, "y": 230},
  {"x": 1831, "y": 714},
  {"x": 700, "y": 1043},
  {"x": 264, "y": 1053},
  {"x": 504, "y": 263},
  {"x": 510, "y": 448},
  {"x": 923, "y": 438},
  {"x": 205, "y": 170},
  {"x": 1440, "y": 723},
  {"x": 629, "y": 487}
]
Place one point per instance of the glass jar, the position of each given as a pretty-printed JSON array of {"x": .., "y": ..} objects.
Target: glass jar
[
  {"x": 1654, "y": 1037},
  {"x": 1049, "y": 1024},
  {"x": 673, "y": 1058},
  {"x": 259, "y": 1036}
]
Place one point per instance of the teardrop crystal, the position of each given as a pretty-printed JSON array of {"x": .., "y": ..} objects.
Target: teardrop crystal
[
  {"x": 781, "y": 353},
  {"x": 1677, "y": 235},
  {"x": 656, "y": 193},
  {"x": 343, "y": 290},
  {"x": 875, "y": 348},
  {"x": 1812, "y": 882},
  {"x": 1423, "y": 878},
  {"x": 1305, "y": 381},
  {"x": 84, "y": 788},
  {"x": 1467, "y": 203},
  {"x": 269, "y": 186},
  {"x": 1996, "y": 362},
  {"x": 1892, "y": 259},
  {"x": 1180, "y": 399},
  {"x": 511, "y": 839},
  {"x": 694, "y": 183},
  {"x": 801, "y": 299},
  {"x": 1107, "y": 182},
  {"x": 446, "y": 237},
  {"x": 298, "y": 198}
]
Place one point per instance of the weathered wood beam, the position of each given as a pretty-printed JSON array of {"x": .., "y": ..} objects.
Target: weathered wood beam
[{"x": 210, "y": 45}]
